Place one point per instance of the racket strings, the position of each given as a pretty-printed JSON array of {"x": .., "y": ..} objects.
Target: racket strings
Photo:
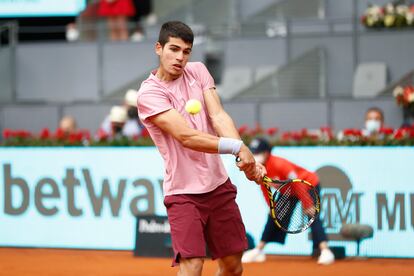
[
  {"x": 283, "y": 207},
  {"x": 294, "y": 206}
]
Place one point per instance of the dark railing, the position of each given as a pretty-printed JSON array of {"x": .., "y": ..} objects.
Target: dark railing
[{"x": 8, "y": 42}]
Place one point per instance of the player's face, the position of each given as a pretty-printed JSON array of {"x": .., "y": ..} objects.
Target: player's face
[{"x": 173, "y": 57}]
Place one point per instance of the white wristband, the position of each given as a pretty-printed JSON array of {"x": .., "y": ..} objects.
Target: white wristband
[{"x": 229, "y": 145}]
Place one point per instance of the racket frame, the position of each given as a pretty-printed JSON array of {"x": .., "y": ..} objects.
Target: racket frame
[{"x": 266, "y": 183}]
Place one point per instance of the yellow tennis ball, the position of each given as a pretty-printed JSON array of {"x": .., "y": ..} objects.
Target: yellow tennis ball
[{"x": 193, "y": 106}]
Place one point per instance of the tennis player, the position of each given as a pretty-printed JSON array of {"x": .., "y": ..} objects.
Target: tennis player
[
  {"x": 199, "y": 196},
  {"x": 280, "y": 168}
]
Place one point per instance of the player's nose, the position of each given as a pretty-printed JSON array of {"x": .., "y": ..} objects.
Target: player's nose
[{"x": 180, "y": 56}]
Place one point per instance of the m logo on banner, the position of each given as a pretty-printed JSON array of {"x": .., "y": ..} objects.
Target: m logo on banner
[{"x": 339, "y": 204}]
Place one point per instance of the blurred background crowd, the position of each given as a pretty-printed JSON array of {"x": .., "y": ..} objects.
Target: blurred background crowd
[{"x": 314, "y": 72}]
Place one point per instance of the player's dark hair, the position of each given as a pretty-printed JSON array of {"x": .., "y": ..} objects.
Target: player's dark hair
[
  {"x": 175, "y": 29},
  {"x": 376, "y": 109}
]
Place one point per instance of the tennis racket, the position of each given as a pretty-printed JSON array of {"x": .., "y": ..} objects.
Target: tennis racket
[{"x": 294, "y": 203}]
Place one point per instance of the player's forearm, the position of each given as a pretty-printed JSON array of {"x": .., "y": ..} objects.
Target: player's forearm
[
  {"x": 199, "y": 141},
  {"x": 224, "y": 126}
]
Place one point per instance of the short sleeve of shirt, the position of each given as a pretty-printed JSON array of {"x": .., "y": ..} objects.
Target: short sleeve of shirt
[
  {"x": 204, "y": 76},
  {"x": 152, "y": 102}
]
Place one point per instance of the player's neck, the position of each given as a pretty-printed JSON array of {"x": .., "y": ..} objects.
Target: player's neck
[{"x": 164, "y": 76}]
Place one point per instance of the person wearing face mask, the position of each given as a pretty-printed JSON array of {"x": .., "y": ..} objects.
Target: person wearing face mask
[
  {"x": 117, "y": 117},
  {"x": 280, "y": 168},
  {"x": 132, "y": 126},
  {"x": 374, "y": 122}
]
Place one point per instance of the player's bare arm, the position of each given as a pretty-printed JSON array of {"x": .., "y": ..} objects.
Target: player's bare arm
[
  {"x": 224, "y": 127},
  {"x": 174, "y": 124}
]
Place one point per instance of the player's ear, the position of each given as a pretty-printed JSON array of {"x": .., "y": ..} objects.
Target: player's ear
[{"x": 158, "y": 48}]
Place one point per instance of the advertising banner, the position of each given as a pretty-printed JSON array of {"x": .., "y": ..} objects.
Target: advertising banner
[
  {"x": 90, "y": 197},
  {"x": 37, "y": 8}
]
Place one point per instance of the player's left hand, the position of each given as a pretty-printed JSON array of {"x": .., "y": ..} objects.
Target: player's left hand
[
  {"x": 246, "y": 163},
  {"x": 260, "y": 173}
]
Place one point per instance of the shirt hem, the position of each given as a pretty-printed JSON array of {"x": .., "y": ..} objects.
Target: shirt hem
[{"x": 181, "y": 192}]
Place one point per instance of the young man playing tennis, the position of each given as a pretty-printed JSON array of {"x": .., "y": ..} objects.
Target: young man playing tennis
[
  {"x": 280, "y": 168},
  {"x": 199, "y": 196}
]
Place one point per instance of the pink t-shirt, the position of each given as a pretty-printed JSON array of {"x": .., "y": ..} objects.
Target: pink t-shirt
[{"x": 186, "y": 171}]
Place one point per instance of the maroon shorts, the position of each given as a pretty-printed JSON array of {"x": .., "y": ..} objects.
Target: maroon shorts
[{"x": 211, "y": 218}]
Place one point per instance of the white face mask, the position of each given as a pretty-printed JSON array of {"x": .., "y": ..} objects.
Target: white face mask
[
  {"x": 372, "y": 125},
  {"x": 260, "y": 158}
]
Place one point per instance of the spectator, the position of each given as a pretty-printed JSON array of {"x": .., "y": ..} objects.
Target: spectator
[
  {"x": 118, "y": 117},
  {"x": 281, "y": 168},
  {"x": 132, "y": 126},
  {"x": 68, "y": 125},
  {"x": 374, "y": 122},
  {"x": 85, "y": 26},
  {"x": 117, "y": 12},
  {"x": 143, "y": 9}
]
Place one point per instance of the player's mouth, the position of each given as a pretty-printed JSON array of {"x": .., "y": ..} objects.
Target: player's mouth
[{"x": 177, "y": 66}]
